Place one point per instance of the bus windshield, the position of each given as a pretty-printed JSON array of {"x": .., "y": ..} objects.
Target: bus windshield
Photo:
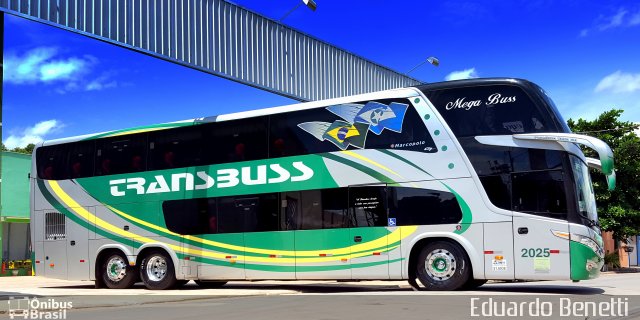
[{"x": 584, "y": 190}]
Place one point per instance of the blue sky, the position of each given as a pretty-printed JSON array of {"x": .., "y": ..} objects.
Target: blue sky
[{"x": 584, "y": 53}]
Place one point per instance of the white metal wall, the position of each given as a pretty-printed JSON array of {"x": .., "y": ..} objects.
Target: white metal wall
[{"x": 222, "y": 39}]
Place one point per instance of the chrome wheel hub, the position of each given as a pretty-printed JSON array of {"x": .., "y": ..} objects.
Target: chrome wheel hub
[
  {"x": 440, "y": 265},
  {"x": 156, "y": 268},
  {"x": 116, "y": 269}
]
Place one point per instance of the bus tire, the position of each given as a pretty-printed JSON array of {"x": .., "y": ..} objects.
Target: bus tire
[
  {"x": 116, "y": 273},
  {"x": 443, "y": 265},
  {"x": 210, "y": 284},
  {"x": 157, "y": 270}
]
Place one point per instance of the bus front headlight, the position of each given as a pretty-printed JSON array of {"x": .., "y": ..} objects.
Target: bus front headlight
[{"x": 587, "y": 242}]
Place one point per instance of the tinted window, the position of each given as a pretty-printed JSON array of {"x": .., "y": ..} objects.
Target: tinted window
[
  {"x": 287, "y": 139},
  {"x": 488, "y": 110},
  {"x": 81, "y": 159},
  {"x": 51, "y": 162},
  {"x": 541, "y": 192},
  {"x": 222, "y": 215},
  {"x": 314, "y": 209},
  {"x": 190, "y": 216},
  {"x": 495, "y": 165},
  {"x": 411, "y": 206},
  {"x": 498, "y": 189},
  {"x": 368, "y": 206},
  {"x": 175, "y": 148},
  {"x": 122, "y": 154},
  {"x": 235, "y": 140},
  {"x": 389, "y": 124}
]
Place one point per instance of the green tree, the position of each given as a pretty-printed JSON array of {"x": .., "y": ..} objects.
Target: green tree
[
  {"x": 28, "y": 149},
  {"x": 618, "y": 210}
]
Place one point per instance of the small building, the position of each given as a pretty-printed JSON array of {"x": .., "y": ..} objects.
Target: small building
[{"x": 14, "y": 208}]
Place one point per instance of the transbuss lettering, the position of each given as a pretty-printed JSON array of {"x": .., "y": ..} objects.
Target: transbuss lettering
[{"x": 224, "y": 178}]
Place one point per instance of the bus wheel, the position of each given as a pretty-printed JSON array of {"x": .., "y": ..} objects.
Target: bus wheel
[
  {"x": 443, "y": 265},
  {"x": 157, "y": 271},
  {"x": 116, "y": 272},
  {"x": 210, "y": 284}
]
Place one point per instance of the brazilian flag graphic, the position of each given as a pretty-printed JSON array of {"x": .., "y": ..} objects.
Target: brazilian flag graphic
[{"x": 343, "y": 134}]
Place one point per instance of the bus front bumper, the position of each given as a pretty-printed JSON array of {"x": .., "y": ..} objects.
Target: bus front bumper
[{"x": 585, "y": 263}]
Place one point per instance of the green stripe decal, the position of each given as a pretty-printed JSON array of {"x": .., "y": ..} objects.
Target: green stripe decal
[
  {"x": 467, "y": 216},
  {"x": 373, "y": 173},
  {"x": 58, "y": 206}
]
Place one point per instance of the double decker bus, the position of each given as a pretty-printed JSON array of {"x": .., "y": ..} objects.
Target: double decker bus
[{"x": 451, "y": 184}]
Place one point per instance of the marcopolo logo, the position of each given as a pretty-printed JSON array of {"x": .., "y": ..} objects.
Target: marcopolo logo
[
  {"x": 26, "y": 308},
  {"x": 221, "y": 178}
]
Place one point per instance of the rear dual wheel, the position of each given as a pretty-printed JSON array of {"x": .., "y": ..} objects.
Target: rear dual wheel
[{"x": 157, "y": 271}]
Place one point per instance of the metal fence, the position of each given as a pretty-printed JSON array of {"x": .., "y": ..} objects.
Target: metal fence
[{"x": 222, "y": 39}]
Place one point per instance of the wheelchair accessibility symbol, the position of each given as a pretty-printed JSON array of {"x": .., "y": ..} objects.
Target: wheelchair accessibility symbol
[{"x": 392, "y": 222}]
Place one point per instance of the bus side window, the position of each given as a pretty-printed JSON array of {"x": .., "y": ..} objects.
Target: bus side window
[
  {"x": 81, "y": 159},
  {"x": 236, "y": 140},
  {"x": 51, "y": 162},
  {"x": 414, "y": 206},
  {"x": 122, "y": 154},
  {"x": 368, "y": 206},
  {"x": 175, "y": 148}
]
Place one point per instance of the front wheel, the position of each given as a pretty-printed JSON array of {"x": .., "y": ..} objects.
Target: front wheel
[
  {"x": 443, "y": 265},
  {"x": 116, "y": 272},
  {"x": 157, "y": 271}
]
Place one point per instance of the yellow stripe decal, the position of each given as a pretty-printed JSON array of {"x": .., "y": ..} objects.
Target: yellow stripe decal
[
  {"x": 368, "y": 160},
  {"x": 365, "y": 248}
]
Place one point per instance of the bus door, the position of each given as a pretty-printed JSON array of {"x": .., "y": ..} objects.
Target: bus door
[
  {"x": 322, "y": 239},
  {"x": 368, "y": 232},
  {"x": 539, "y": 254}
]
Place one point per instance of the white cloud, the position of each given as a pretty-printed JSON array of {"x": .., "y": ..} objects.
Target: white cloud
[
  {"x": 46, "y": 65},
  {"x": 613, "y": 21},
  {"x": 620, "y": 19},
  {"x": 587, "y": 104},
  {"x": 34, "y": 134},
  {"x": 619, "y": 82},
  {"x": 101, "y": 83},
  {"x": 462, "y": 74},
  {"x": 43, "y": 65}
]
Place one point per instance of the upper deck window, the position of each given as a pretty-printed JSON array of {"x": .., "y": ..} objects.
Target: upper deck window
[{"x": 490, "y": 110}]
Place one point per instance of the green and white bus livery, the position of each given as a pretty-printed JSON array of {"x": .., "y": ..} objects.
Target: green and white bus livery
[{"x": 450, "y": 183}]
